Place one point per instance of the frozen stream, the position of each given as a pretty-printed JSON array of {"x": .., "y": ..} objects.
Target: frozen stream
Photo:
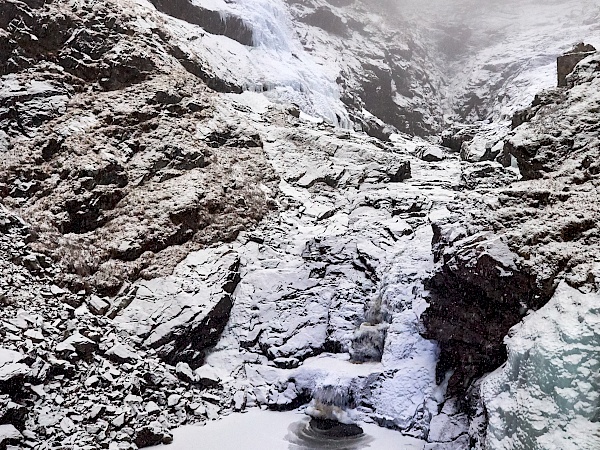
[
  {"x": 267, "y": 430},
  {"x": 336, "y": 270}
]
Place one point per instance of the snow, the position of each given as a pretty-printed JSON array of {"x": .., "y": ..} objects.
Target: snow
[
  {"x": 277, "y": 66},
  {"x": 547, "y": 394},
  {"x": 259, "y": 430}
]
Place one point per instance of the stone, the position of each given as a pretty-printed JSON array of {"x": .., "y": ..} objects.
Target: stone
[
  {"x": 79, "y": 343},
  {"x": 96, "y": 411},
  {"x": 57, "y": 291},
  {"x": 119, "y": 421},
  {"x": 92, "y": 381},
  {"x": 149, "y": 435},
  {"x": 122, "y": 353},
  {"x": 35, "y": 335},
  {"x": 173, "y": 400},
  {"x": 67, "y": 425},
  {"x": 207, "y": 376},
  {"x": 12, "y": 372},
  {"x": 567, "y": 62},
  {"x": 431, "y": 154},
  {"x": 97, "y": 305},
  {"x": 9, "y": 435},
  {"x": 400, "y": 172},
  {"x": 152, "y": 408},
  {"x": 185, "y": 372}
]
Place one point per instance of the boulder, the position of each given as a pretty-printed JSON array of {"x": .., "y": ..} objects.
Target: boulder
[
  {"x": 431, "y": 154},
  {"x": 181, "y": 326},
  {"x": 152, "y": 434},
  {"x": 122, "y": 353}
]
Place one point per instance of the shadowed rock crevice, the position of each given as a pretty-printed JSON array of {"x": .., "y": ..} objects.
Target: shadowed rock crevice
[{"x": 475, "y": 298}]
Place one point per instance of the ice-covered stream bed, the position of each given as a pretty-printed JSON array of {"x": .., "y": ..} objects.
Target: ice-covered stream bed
[
  {"x": 336, "y": 271},
  {"x": 262, "y": 430}
]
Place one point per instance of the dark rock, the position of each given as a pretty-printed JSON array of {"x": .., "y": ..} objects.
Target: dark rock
[
  {"x": 148, "y": 436},
  {"x": 324, "y": 18},
  {"x": 215, "y": 22},
  {"x": 186, "y": 342},
  {"x": 454, "y": 138},
  {"x": 400, "y": 173},
  {"x": 478, "y": 294},
  {"x": 334, "y": 429},
  {"x": 567, "y": 62},
  {"x": 12, "y": 413}
]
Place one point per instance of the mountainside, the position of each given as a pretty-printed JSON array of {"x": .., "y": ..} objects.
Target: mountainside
[{"x": 379, "y": 214}]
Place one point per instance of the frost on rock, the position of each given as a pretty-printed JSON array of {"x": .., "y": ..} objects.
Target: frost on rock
[{"x": 547, "y": 395}]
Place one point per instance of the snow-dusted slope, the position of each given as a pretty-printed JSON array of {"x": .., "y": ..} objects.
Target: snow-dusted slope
[{"x": 299, "y": 248}]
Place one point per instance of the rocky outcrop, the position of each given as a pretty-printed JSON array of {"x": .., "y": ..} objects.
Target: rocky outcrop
[
  {"x": 567, "y": 62},
  {"x": 506, "y": 255},
  {"x": 214, "y": 22},
  {"x": 107, "y": 160},
  {"x": 180, "y": 327},
  {"x": 386, "y": 76},
  {"x": 479, "y": 273}
]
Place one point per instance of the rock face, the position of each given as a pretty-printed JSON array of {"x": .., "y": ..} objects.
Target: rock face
[
  {"x": 507, "y": 255},
  {"x": 182, "y": 325},
  {"x": 214, "y": 206},
  {"x": 386, "y": 76},
  {"x": 212, "y": 21},
  {"x": 567, "y": 62},
  {"x": 117, "y": 177}
]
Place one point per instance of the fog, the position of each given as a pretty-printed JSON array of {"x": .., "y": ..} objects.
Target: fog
[{"x": 458, "y": 26}]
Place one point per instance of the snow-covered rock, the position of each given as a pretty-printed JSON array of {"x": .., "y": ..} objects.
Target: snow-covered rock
[{"x": 546, "y": 396}]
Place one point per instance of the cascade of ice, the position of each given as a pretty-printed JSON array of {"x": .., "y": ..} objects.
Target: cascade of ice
[{"x": 278, "y": 65}]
